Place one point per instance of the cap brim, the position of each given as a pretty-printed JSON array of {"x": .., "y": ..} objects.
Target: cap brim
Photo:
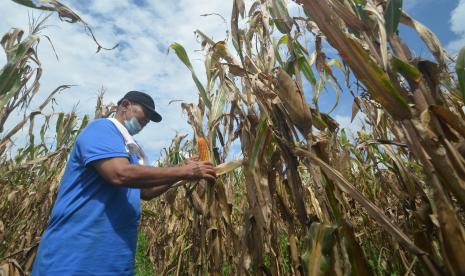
[{"x": 154, "y": 116}]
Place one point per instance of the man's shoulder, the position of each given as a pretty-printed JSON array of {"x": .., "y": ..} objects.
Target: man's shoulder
[
  {"x": 100, "y": 139},
  {"x": 100, "y": 122},
  {"x": 99, "y": 127}
]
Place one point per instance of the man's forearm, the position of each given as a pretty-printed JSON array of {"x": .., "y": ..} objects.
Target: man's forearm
[
  {"x": 150, "y": 193},
  {"x": 136, "y": 176},
  {"x": 119, "y": 172}
]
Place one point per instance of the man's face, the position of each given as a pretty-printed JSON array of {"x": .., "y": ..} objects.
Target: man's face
[{"x": 137, "y": 111}]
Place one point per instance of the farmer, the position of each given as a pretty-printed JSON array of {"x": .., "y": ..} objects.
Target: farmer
[{"x": 93, "y": 226}]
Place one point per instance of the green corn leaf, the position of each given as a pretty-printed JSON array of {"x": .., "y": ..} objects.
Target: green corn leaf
[
  {"x": 304, "y": 64},
  {"x": 84, "y": 123},
  {"x": 69, "y": 128},
  {"x": 13, "y": 85},
  {"x": 306, "y": 69},
  {"x": 344, "y": 140},
  {"x": 283, "y": 40},
  {"x": 281, "y": 16},
  {"x": 43, "y": 128},
  {"x": 407, "y": 70},
  {"x": 59, "y": 128},
  {"x": 258, "y": 145},
  {"x": 460, "y": 69},
  {"x": 10, "y": 74},
  {"x": 212, "y": 72},
  {"x": 354, "y": 251},
  {"x": 337, "y": 90},
  {"x": 182, "y": 55},
  {"x": 392, "y": 15},
  {"x": 32, "y": 148},
  {"x": 31, "y": 4},
  {"x": 317, "y": 257},
  {"x": 218, "y": 105},
  {"x": 278, "y": 55}
]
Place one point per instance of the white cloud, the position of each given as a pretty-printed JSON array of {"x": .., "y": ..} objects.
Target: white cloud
[
  {"x": 141, "y": 62},
  {"x": 458, "y": 27}
]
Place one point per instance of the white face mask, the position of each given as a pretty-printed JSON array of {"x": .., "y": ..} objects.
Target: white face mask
[{"x": 132, "y": 125}]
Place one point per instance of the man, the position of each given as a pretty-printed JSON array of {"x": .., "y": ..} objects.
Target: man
[{"x": 93, "y": 226}]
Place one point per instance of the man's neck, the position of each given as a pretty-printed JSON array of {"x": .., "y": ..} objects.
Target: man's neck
[{"x": 119, "y": 116}]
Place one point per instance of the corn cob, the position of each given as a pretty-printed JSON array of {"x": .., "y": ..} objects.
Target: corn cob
[{"x": 202, "y": 148}]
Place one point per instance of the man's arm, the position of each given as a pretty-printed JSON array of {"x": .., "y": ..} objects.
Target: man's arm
[
  {"x": 150, "y": 193},
  {"x": 118, "y": 171}
]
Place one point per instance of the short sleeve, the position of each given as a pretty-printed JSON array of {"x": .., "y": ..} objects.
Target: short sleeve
[{"x": 100, "y": 140}]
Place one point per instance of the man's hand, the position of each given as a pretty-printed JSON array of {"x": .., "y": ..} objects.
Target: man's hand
[
  {"x": 199, "y": 169},
  {"x": 192, "y": 158}
]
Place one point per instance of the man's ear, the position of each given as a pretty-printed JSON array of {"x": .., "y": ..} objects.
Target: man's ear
[{"x": 125, "y": 103}]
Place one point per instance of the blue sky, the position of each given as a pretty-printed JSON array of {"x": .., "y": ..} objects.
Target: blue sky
[
  {"x": 145, "y": 29},
  {"x": 437, "y": 16},
  {"x": 444, "y": 17}
]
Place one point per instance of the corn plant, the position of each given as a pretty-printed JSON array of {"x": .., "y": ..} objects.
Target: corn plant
[
  {"x": 308, "y": 200},
  {"x": 30, "y": 171}
]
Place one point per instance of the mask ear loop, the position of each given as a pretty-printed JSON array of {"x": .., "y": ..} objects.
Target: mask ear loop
[
  {"x": 132, "y": 113},
  {"x": 125, "y": 117}
]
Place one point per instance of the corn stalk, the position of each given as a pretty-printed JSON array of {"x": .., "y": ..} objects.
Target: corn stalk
[{"x": 311, "y": 200}]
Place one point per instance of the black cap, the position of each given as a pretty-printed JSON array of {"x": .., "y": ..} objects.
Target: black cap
[{"x": 144, "y": 100}]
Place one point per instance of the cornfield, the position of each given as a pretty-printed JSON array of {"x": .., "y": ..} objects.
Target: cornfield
[{"x": 304, "y": 198}]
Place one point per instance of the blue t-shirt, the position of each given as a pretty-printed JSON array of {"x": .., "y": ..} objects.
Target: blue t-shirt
[{"x": 93, "y": 226}]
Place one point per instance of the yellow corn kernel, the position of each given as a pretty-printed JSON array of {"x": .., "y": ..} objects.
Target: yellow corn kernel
[{"x": 202, "y": 148}]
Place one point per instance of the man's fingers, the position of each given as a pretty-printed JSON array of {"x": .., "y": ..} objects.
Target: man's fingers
[
  {"x": 202, "y": 169},
  {"x": 211, "y": 172},
  {"x": 208, "y": 163},
  {"x": 194, "y": 158},
  {"x": 209, "y": 177},
  {"x": 209, "y": 169}
]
